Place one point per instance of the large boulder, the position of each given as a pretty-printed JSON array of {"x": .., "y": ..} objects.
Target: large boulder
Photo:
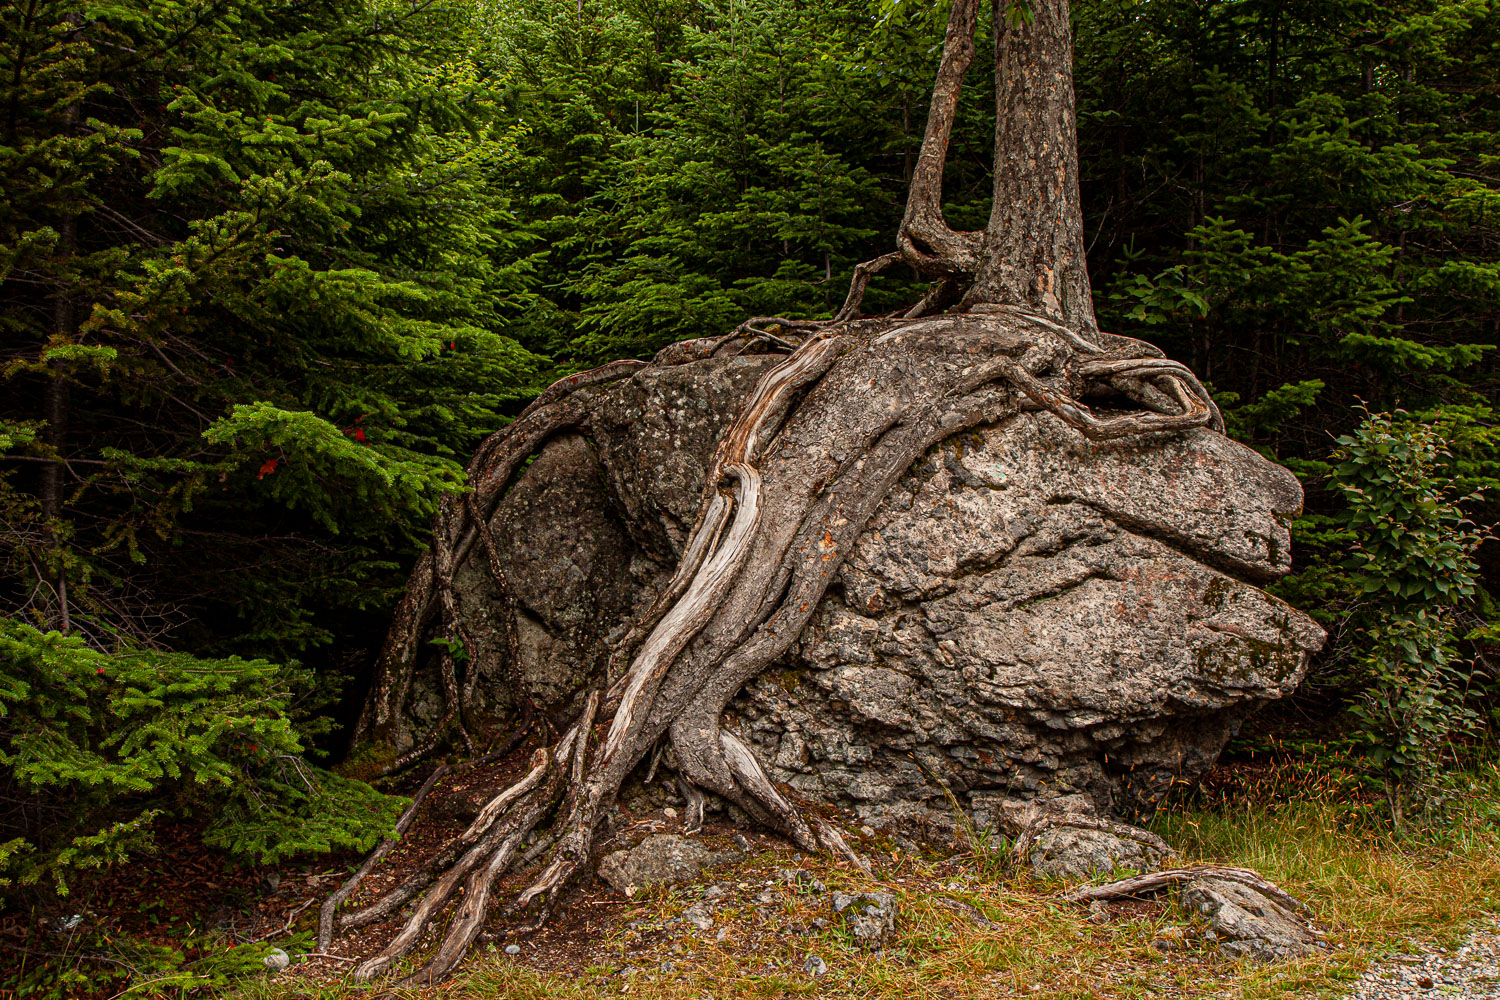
[
  {"x": 1032, "y": 615},
  {"x": 1028, "y": 616}
]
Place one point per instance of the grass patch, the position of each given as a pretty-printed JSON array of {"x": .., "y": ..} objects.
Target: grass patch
[
  {"x": 1370, "y": 886},
  {"x": 1373, "y": 891}
]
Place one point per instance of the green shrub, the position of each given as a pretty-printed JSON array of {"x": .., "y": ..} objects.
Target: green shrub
[
  {"x": 103, "y": 744},
  {"x": 1413, "y": 563}
]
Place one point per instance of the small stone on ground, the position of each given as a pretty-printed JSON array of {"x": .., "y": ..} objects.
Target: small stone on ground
[
  {"x": 698, "y": 918},
  {"x": 870, "y": 916},
  {"x": 1077, "y": 853},
  {"x": 659, "y": 859}
]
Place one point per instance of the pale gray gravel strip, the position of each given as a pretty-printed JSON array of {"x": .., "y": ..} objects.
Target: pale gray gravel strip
[{"x": 1471, "y": 971}]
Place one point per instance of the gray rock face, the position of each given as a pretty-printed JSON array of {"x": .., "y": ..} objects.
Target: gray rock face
[
  {"x": 1035, "y": 615},
  {"x": 869, "y": 916},
  {"x": 1029, "y": 615},
  {"x": 1248, "y": 923},
  {"x": 659, "y": 859}
]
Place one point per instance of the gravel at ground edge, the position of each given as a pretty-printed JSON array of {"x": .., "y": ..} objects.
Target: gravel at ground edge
[{"x": 1471, "y": 971}]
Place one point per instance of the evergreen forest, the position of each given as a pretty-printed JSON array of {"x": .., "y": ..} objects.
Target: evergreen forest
[{"x": 271, "y": 271}]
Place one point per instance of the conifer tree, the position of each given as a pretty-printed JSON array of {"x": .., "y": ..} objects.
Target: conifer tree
[
  {"x": 249, "y": 317},
  {"x": 250, "y": 304}
]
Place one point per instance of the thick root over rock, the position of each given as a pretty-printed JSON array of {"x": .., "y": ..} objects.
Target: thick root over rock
[{"x": 817, "y": 445}]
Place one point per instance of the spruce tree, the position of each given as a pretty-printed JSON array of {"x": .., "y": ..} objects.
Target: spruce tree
[
  {"x": 251, "y": 309},
  {"x": 251, "y": 313}
]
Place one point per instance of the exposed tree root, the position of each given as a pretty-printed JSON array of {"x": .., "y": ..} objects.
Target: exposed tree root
[
  {"x": 817, "y": 445},
  {"x": 1156, "y": 881},
  {"x": 333, "y": 902},
  {"x": 863, "y": 272},
  {"x": 1151, "y": 882},
  {"x": 815, "y": 448}
]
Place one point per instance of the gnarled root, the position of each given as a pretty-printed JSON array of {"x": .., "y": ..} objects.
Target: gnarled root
[
  {"x": 333, "y": 902},
  {"x": 815, "y": 448},
  {"x": 488, "y": 847},
  {"x": 1155, "y": 881}
]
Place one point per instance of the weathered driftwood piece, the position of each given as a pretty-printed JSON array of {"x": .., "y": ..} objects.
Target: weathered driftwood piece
[{"x": 1151, "y": 882}]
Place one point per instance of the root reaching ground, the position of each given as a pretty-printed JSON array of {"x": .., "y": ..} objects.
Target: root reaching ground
[
  {"x": 1137, "y": 885},
  {"x": 816, "y": 446}
]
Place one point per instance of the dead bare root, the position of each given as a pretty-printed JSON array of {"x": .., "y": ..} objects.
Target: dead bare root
[
  {"x": 1138, "y": 885},
  {"x": 333, "y": 902}
]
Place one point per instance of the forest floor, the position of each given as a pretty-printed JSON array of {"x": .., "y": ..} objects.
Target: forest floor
[{"x": 1397, "y": 912}]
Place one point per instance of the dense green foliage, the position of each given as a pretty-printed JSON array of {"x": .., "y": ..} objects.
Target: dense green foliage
[
  {"x": 1294, "y": 198},
  {"x": 107, "y": 743},
  {"x": 269, "y": 270},
  {"x": 1414, "y": 571},
  {"x": 689, "y": 164},
  {"x": 250, "y": 280},
  {"x": 250, "y": 301}
]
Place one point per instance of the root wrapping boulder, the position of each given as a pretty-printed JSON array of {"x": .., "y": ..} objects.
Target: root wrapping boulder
[{"x": 1029, "y": 615}]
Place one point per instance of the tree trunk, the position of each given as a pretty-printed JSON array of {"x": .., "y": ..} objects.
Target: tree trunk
[
  {"x": 55, "y": 397},
  {"x": 1033, "y": 253},
  {"x": 925, "y": 239}
]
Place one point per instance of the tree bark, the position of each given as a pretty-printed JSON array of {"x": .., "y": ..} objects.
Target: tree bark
[
  {"x": 925, "y": 240},
  {"x": 1033, "y": 253}
]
